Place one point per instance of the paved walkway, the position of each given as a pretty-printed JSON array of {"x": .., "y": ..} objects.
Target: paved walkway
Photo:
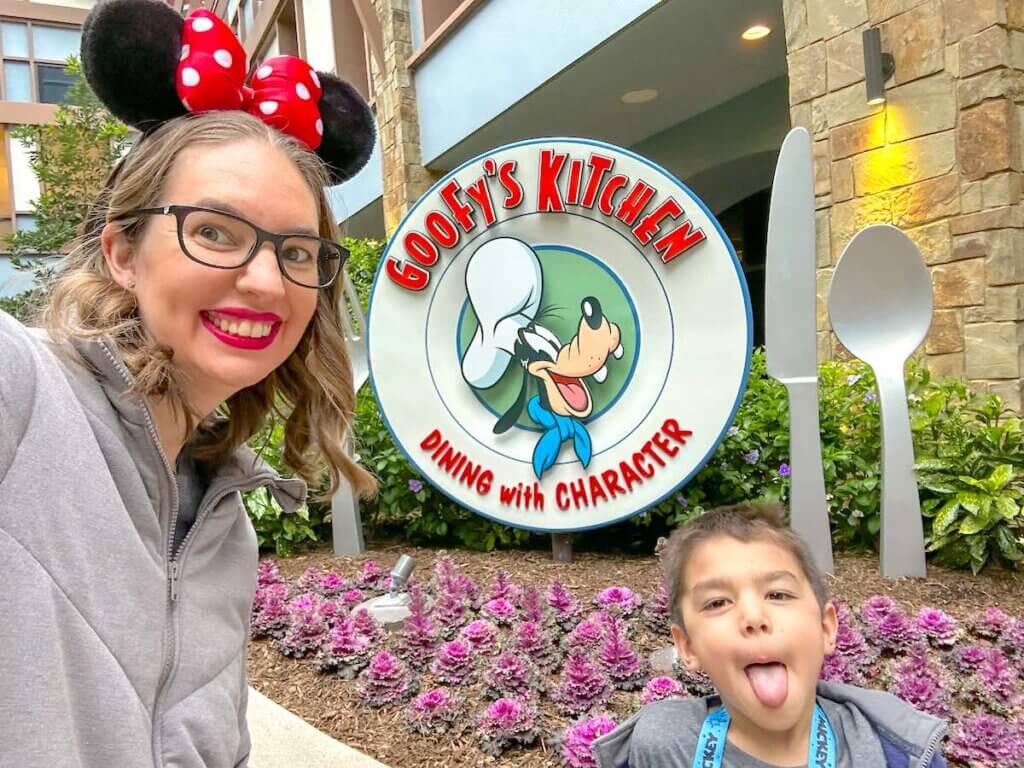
[{"x": 283, "y": 740}]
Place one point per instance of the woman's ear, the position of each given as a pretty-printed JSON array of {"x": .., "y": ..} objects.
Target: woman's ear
[{"x": 118, "y": 254}]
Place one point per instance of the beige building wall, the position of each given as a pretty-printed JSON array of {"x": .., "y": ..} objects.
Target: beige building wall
[{"x": 941, "y": 160}]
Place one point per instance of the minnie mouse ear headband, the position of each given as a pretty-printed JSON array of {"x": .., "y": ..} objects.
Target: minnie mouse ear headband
[{"x": 148, "y": 65}]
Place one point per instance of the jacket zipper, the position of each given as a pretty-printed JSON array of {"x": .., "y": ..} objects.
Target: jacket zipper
[
  {"x": 171, "y": 567},
  {"x": 174, "y": 563}
]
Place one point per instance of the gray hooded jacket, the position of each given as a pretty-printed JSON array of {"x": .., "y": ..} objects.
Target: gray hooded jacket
[
  {"x": 113, "y": 654},
  {"x": 878, "y": 731}
]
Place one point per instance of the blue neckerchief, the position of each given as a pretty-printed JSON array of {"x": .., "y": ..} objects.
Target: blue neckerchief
[
  {"x": 821, "y": 749},
  {"x": 558, "y": 429}
]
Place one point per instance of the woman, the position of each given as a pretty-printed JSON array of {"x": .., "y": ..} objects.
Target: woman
[{"x": 201, "y": 299}]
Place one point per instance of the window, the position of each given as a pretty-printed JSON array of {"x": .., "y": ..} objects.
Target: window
[
  {"x": 55, "y": 43},
  {"x": 15, "y": 39},
  {"x": 53, "y": 83},
  {"x": 18, "y": 80},
  {"x": 25, "y": 222},
  {"x": 34, "y": 56}
]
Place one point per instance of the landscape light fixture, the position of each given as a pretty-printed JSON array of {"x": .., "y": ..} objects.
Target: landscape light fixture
[{"x": 878, "y": 66}]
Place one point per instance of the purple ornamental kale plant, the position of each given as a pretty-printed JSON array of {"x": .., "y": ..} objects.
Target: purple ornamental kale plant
[
  {"x": 939, "y": 627},
  {"x": 877, "y": 608},
  {"x": 455, "y": 663},
  {"x": 656, "y": 613},
  {"x": 588, "y": 634},
  {"x": 331, "y": 584},
  {"x": 445, "y": 574},
  {"x": 466, "y": 587},
  {"x": 1012, "y": 640},
  {"x": 344, "y": 652},
  {"x": 536, "y": 644},
  {"x": 837, "y": 668},
  {"x": 606, "y": 616},
  {"x": 309, "y": 581},
  {"x": 507, "y": 723},
  {"x": 578, "y": 738},
  {"x": 270, "y": 614},
  {"x": 385, "y": 681},
  {"x": 990, "y": 624},
  {"x": 434, "y": 712},
  {"x": 564, "y": 605},
  {"x": 372, "y": 577},
  {"x": 659, "y": 688},
  {"x": 620, "y": 661},
  {"x": 268, "y": 573},
  {"x": 968, "y": 658},
  {"x": 584, "y": 686},
  {"x": 419, "y": 638},
  {"x": 919, "y": 683},
  {"x": 986, "y": 741},
  {"x": 502, "y": 588},
  {"x": 895, "y": 633},
  {"x": 350, "y": 598},
  {"x": 450, "y": 613},
  {"x": 994, "y": 684},
  {"x": 500, "y": 610},
  {"x": 367, "y": 626},
  {"x": 510, "y": 675},
  {"x": 307, "y": 626},
  {"x": 481, "y": 635},
  {"x": 533, "y": 607},
  {"x": 624, "y": 599}
]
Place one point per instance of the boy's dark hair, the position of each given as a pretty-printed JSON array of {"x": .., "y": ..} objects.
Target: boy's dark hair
[{"x": 745, "y": 522}]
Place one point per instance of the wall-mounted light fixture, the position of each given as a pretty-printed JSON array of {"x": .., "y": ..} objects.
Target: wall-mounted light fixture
[
  {"x": 878, "y": 66},
  {"x": 756, "y": 32}
]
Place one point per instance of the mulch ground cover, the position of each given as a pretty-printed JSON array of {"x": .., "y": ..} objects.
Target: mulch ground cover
[{"x": 332, "y": 706}]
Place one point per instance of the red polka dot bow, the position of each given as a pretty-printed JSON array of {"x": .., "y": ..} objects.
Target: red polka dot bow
[{"x": 284, "y": 91}]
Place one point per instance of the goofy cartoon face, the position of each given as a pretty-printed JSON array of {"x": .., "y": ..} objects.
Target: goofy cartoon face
[{"x": 504, "y": 282}]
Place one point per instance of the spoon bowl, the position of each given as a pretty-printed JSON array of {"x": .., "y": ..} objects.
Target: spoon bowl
[{"x": 881, "y": 297}]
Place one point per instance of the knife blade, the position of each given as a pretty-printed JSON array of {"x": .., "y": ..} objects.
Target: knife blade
[{"x": 791, "y": 336}]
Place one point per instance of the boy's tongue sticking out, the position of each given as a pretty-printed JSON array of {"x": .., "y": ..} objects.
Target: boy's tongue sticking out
[{"x": 770, "y": 683}]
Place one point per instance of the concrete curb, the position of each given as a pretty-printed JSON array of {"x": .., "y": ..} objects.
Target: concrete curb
[{"x": 280, "y": 738}]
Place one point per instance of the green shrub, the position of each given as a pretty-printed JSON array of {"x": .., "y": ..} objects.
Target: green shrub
[{"x": 276, "y": 529}]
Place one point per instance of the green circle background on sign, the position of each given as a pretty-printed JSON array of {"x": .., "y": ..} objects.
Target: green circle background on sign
[{"x": 570, "y": 275}]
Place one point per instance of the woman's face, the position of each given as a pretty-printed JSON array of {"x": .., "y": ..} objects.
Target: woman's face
[{"x": 217, "y": 320}]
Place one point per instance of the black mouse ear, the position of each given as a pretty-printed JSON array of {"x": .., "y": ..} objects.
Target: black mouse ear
[
  {"x": 349, "y": 128},
  {"x": 130, "y": 53}
]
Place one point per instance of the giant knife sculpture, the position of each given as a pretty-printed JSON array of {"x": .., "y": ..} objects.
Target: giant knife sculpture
[{"x": 790, "y": 336}]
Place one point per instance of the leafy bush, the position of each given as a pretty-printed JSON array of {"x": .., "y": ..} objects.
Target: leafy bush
[{"x": 275, "y": 528}]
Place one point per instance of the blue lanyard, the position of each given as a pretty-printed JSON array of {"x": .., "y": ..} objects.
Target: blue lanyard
[{"x": 821, "y": 751}]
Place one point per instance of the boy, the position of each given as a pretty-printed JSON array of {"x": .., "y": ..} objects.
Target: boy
[{"x": 749, "y": 609}]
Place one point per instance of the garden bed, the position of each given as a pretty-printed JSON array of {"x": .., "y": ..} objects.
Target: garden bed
[{"x": 332, "y": 705}]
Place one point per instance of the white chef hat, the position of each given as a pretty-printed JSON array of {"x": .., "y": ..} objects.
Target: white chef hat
[{"x": 504, "y": 283}]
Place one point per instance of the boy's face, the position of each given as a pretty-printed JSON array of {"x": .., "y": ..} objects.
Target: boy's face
[{"x": 754, "y": 626}]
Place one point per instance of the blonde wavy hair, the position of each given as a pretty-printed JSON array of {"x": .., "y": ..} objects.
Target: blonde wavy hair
[{"x": 311, "y": 392}]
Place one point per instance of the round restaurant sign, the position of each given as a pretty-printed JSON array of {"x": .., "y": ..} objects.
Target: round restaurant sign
[{"x": 559, "y": 334}]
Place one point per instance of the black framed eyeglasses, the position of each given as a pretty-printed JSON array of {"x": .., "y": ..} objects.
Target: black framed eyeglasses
[{"x": 225, "y": 241}]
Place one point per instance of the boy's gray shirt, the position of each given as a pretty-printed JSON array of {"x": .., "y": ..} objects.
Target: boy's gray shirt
[
  {"x": 99, "y": 667},
  {"x": 664, "y": 734}
]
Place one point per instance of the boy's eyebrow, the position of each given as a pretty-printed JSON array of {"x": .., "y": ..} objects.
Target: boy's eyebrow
[{"x": 713, "y": 583}]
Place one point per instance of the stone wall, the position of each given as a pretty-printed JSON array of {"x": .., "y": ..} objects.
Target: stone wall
[
  {"x": 941, "y": 160},
  {"x": 405, "y": 178}
]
